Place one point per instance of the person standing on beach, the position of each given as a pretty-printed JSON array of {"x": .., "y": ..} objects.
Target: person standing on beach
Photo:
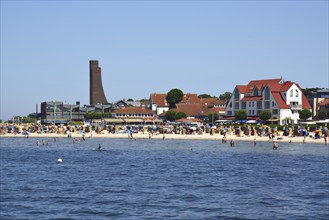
[{"x": 325, "y": 139}]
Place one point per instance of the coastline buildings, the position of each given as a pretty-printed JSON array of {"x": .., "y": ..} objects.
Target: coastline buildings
[{"x": 284, "y": 99}]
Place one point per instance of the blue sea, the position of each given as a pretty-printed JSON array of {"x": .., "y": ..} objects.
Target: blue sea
[{"x": 162, "y": 179}]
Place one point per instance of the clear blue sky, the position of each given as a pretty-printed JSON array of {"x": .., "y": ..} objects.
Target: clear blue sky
[{"x": 145, "y": 47}]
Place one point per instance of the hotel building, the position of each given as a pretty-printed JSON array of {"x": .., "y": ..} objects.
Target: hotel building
[{"x": 284, "y": 99}]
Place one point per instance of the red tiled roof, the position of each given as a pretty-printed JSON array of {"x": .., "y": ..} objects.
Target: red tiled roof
[
  {"x": 286, "y": 85},
  {"x": 242, "y": 88},
  {"x": 251, "y": 98},
  {"x": 133, "y": 110},
  {"x": 159, "y": 99},
  {"x": 280, "y": 101},
  {"x": 305, "y": 103},
  {"x": 260, "y": 83},
  {"x": 324, "y": 102},
  {"x": 208, "y": 101},
  {"x": 207, "y": 111},
  {"x": 190, "y": 109},
  {"x": 190, "y": 98}
]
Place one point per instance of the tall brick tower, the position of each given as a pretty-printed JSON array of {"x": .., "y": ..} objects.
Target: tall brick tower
[{"x": 96, "y": 87}]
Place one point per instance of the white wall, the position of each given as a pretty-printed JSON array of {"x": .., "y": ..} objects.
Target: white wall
[
  {"x": 160, "y": 110},
  {"x": 293, "y": 89}
]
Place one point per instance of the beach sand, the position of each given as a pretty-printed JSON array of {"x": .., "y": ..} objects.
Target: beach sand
[{"x": 205, "y": 136}]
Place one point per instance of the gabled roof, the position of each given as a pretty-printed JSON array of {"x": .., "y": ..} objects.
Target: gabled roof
[
  {"x": 242, "y": 88},
  {"x": 190, "y": 98},
  {"x": 159, "y": 99},
  {"x": 205, "y": 102},
  {"x": 305, "y": 103},
  {"x": 280, "y": 101},
  {"x": 261, "y": 83},
  {"x": 190, "y": 109}
]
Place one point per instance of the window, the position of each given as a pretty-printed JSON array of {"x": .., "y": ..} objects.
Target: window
[
  {"x": 244, "y": 105},
  {"x": 259, "y": 105},
  {"x": 267, "y": 105},
  {"x": 229, "y": 112},
  {"x": 253, "y": 104},
  {"x": 255, "y": 92},
  {"x": 274, "y": 111},
  {"x": 236, "y": 105},
  {"x": 236, "y": 94},
  {"x": 230, "y": 105},
  {"x": 249, "y": 104},
  {"x": 253, "y": 112},
  {"x": 296, "y": 93},
  {"x": 291, "y": 93},
  {"x": 267, "y": 93},
  {"x": 273, "y": 104},
  {"x": 249, "y": 112}
]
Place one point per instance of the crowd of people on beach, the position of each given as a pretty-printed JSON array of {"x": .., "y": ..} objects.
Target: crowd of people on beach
[{"x": 235, "y": 131}]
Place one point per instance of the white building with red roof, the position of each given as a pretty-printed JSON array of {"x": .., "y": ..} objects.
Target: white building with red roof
[
  {"x": 284, "y": 99},
  {"x": 158, "y": 103}
]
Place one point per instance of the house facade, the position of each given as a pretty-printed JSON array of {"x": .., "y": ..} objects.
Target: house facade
[
  {"x": 158, "y": 103},
  {"x": 284, "y": 99}
]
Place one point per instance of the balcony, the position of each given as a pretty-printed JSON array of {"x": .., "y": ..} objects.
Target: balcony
[{"x": 295, "y": 106}]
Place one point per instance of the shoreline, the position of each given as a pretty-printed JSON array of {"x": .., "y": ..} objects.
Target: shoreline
[{"x": 206, "y": 136}]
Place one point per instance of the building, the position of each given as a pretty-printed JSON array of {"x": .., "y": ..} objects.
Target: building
[
  {"x": 284, "y": 99},
  {"x": 158, "y": 103},
  {"x": 57, "y": 112},
  {"x": 97, "y": 95},
  {"x": 136, "y": 115},
  {"x": 319, "y": 101}
]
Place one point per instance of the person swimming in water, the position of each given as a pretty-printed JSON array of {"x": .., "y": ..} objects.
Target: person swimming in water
[{"x": 99, "y": 147}]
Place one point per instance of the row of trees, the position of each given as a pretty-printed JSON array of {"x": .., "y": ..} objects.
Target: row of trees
[{"x": 97, "y": 115}]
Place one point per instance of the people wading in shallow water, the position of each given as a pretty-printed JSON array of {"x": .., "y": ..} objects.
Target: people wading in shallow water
[
  {"x": 232, "y": 143},
  {"x": 275, "y": 145},
  {"x": 99, "y": 147},
  {"x": 255, "y": 142}
]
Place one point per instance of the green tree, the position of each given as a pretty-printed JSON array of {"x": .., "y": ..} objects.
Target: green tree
[
  {"x": 241, "y": 115},
  {"x": 171, "y": 115},
  {"x": 305, "y": 114},
  {"x": 173, "y": 97},
  {"x": 180, "y": 115},
  {"x": 27, "y": 120},
  {"x": 226, "y": 96},
  {"x": 203, "y": 96},
  {"x": 215, "y": 115},
  {"x": 92, "y": 115},
  {"x": 130, "y": 100},
  {"x": 322, "y": 115},
  {"x": 265, "y": 115}
]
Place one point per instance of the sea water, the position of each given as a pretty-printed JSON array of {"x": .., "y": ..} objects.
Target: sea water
[{"x": 162, "y": 179}]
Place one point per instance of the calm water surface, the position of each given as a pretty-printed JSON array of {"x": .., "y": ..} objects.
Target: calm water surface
[{"x": 156, "y": 179}]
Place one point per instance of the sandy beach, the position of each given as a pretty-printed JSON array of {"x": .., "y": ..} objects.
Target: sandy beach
[{"x": 204, "y": 136}]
